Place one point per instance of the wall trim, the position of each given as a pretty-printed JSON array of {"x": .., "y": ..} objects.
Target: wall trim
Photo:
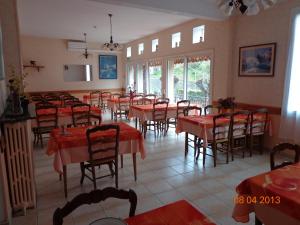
[{"x": 77, "y": 91}]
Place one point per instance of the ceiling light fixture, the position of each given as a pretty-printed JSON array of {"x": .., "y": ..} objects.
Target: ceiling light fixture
[
  {"x": 85, "y": 54},
  {"x": 111, "y": 45},
  {"x": 248, "y": 7}
]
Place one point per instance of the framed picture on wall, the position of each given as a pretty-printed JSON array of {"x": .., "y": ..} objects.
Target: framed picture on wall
[
  {"x": 257, "y": 60},
  {"x": 108, "y": 67}
]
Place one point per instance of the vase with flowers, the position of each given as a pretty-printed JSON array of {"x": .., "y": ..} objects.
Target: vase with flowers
[
  {"x": 16, "y": 93},
  {"x": 227, "y": 104}
]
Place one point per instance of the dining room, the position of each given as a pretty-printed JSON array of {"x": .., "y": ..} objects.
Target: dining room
[{"x": 149, "y": 112}]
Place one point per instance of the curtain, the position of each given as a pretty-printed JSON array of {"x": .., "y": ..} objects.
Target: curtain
[
  {"x": 198, "y": 58},
  {"x": 290, "y": 115}
]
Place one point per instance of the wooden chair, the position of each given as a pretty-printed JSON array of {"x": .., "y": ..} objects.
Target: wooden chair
[
  {"x": 258, "y": 128},
  {"x": 47, "y": 120},
  {"x": 103, "y": 149},
  {"x": 151, "y": 96},
  {"x": 239, "y": 130},
  {"x": 52, "y": 97},
  {"x": 104, "y": 96},
  {"x": 192, "y": 110},
  {"x": 159, "y": 119},
  {"x": 281, "y": 148},
  {"x": 122, "y": 107},
  {"x": 212, "y": 109},
  {"x": 81, "y": 114},
  {"x": 220, "y": 138},
  {"x": 161, "y": 99},
  {"x": 95, "y": 196},
  {"x": 36, "y": 98},
  {"x": 137, "y": 100},
  {"x": 69, "y": 100},
  {"x": 181, "y": 106},
  {"x": 195, "y": 140},
  {"x": 95, "y": 98}
]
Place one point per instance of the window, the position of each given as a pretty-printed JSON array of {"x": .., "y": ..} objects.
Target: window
[
  {"x": 128, "y": 52},
  {"x": 154, "y": 45},
  {"x": 88, "y": 72},
  {"x": 190, "y": 78},
  {"x": 176, "y": 38},
  {"x": 141, "y": 48},
  {"x": 294, "y": 91},
  {"x": 198, "y": 34},
  {"x": 130, "y": 78},
  {"x": 155, "y": 76}
]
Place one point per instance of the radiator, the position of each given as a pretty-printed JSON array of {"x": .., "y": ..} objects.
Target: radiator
[{"x": 19, "y": 164}]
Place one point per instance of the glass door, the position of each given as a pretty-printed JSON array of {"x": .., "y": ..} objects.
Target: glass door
[
  {"x": 130, "y": 78},
  {"x": 155, "y": 76},
  {"x": 198, "y": 80},
  {"x": 176, "y": 80},
  {"x": 140, "y": 78}
]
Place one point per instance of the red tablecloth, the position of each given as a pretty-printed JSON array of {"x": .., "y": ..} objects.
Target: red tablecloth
[
  {"x": 279, "y": 189},
  {"x": 67, "y": 111},
  {"x": 177, "y": 213},
  {"x": 71, "y": 147}
]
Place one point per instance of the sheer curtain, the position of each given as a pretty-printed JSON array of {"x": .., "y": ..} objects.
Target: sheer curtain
[{"x": 290, "y": 115}]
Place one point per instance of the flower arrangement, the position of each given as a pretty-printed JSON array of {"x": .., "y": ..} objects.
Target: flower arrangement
[
  {"x": 16, "y": 82},
  {"x": 227, "y": 103}
]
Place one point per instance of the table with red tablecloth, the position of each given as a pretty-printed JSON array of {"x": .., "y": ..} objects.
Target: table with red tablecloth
[
  {"x": 177, "y": 213},
  {"x": 274, "y": 196},
  {"x": 71, "y": 145}
]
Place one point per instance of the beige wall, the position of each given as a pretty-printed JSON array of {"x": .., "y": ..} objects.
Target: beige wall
[
  {"x": 53, "y": 54},
  {"x": 218, "y": 37},
  {"x": 272, "y": 25}
]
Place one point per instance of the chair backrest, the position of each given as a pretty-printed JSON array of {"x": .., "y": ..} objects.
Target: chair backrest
[
  {"x": 137, "y": 99},
  {"x": 150, "y": 96},
  {"x": 36, "y": 97},
  {"x": 103, "y": 142},
  {"x": 239, "y": 123},
  {"x": 95, "y": 98},
  {"x": 259, "y": 121},
  {"x": 161, "y": 99},
  {"x": 192, "y": 110},
  {"x": 181, "y": 106},
  {"x": 95, "y": 196},
  {"x": 283, "y": 147},
  {"x": 52, "y": 97},
  {"x": 147, "y": 101},
  {"x": 46, "y": 115},
  {"x": 160, "y": 110},
  {"x": 221, "y": 127},
  {"x": 212, "y": 109},
  {"x": 81, "y": 114},
  {"x": 123, "y": 103},
  {"x": 115, "y": 95},
  {"x": 105, "y": 95}
]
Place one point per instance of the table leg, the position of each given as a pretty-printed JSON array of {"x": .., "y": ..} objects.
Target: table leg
[
  {"x": 111, "y": 114},
  {"x": 136, "y": 119},
  {"x": 65, "y": 180},
  {"x": 134, "y": 164},
  {"x": 186, "y": 142}
]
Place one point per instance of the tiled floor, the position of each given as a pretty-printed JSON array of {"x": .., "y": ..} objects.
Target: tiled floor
[{"x": 163, "y": 177}]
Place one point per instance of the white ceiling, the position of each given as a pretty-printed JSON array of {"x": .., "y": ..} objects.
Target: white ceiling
[{"x": 132, "y": 19}]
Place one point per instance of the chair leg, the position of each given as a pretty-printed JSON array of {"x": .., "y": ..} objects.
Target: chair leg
[
  {"x": 41, "y": 138},
  {"x": 116, "y": 174},
  {"x": 214, "y": 149},
  {"x": 94, "y": 177},
  {"x": 82, "y": 172},
  {"x": 145, "y": 128},
  {"x": 121, "y": 156},
  {"x": 111, "y": 169}
]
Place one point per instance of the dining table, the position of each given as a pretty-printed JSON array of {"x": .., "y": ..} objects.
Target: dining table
[
  {"x": 70, "y": 146},
  {"x": 273, "y": 196},
  {"x": 177, "y": 213},
  {"x": 201, "y": 126}
]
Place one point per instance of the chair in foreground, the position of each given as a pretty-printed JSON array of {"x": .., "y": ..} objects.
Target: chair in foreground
[
  {"x": 95, "y": 196},
  {"x": 281, "y": 148},
  {"x": 103, "y": 148}
]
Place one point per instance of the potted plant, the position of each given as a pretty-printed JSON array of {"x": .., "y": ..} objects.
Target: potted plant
[
  {"x": 17, "y": 103},
  {"x": 227, "y": 103}
]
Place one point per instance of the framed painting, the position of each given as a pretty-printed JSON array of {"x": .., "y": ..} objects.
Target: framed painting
[
  {"x": 108, "y": 67},
  {"x": 257, "y": 60}
]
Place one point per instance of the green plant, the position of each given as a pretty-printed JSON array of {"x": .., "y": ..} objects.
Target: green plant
[{"x": 16, "y": 82}]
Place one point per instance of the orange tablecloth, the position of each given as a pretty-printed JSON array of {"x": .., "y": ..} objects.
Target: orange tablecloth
[
  {"x": 201, "y": 126},
  {"x": 177, "y": 213},
  {"x": 279, "y": 189},
  {"x": 144, "y": 112},
  {"x": 72, "y": 146}
]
